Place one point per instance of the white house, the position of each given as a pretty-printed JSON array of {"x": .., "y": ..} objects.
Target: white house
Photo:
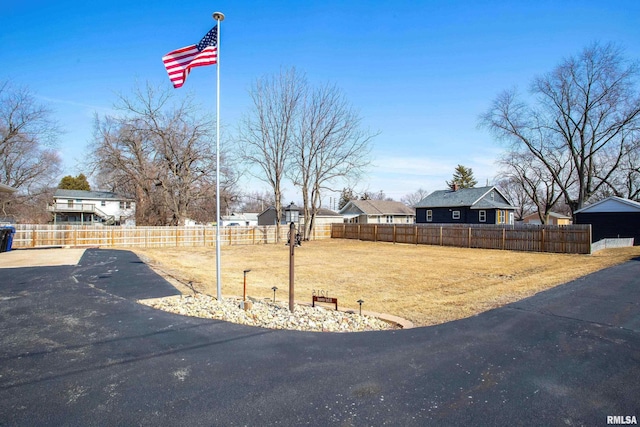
[
  {"x": 92, "y": 207},
  {"x": 246, "y": 219}
]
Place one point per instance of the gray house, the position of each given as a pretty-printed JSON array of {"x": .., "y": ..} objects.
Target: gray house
[
  {"x": 377, "y": 212},
  {"x": 480, "y": 205}
]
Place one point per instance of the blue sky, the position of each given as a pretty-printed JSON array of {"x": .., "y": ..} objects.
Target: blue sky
[{"x": 420, "y": 72}]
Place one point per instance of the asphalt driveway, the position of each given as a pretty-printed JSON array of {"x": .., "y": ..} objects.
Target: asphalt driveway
[{"x": 75, "y": 349}]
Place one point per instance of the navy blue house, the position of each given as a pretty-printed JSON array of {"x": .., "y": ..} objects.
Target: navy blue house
[
  {"x": 613, "y": 217},
  {"x": 481, "y": 205}
]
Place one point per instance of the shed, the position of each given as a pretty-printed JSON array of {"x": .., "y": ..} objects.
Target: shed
[{"x": 611, "y": 218}]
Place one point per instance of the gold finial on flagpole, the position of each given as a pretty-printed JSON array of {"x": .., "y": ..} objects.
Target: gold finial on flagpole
[{"x": 218, "y": 16}]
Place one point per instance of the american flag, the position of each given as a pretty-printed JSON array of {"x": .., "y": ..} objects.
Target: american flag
[{"x": 180, "y": 62}]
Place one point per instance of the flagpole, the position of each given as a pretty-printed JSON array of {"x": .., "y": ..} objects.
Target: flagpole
[{"x": 219, "y": 17}]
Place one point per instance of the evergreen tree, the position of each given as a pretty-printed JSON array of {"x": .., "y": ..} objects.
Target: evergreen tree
[
  {"x": 74, "y": 183},
  {"x": 346, "y": 195},
  {"x": 463, "y": 177}
]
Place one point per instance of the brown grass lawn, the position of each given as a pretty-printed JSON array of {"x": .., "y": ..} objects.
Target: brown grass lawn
[{"x": 425, "y": 284}]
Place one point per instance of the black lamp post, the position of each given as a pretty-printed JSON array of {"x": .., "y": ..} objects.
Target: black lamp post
[
  {"x": 274, "y": 289},
  {"x": 291, "y": 215},
  {"x": 360, "y": 302}
]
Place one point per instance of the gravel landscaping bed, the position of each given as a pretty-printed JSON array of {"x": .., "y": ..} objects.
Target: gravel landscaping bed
[{"x": 268, "y": 314}]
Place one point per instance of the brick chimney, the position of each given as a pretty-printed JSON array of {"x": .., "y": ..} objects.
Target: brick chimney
[{"x": 455, "y": 186}]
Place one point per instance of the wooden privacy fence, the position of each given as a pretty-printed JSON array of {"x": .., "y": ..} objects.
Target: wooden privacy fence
[
  {"x": 570, "y": 239},
  {"x": 37, "y": 236}
]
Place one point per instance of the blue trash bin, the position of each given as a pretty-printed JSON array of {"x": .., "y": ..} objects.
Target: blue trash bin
[
  {"x": 12, "y": 231},
  {"x": 6, "y": 237}
]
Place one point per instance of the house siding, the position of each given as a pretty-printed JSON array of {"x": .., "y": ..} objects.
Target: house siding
[
  {"x": 612, "y": 225},
  {"x": 467, "y": 216}
]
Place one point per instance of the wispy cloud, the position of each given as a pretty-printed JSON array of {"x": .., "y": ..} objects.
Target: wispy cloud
[{"x": 88, "y": 108}]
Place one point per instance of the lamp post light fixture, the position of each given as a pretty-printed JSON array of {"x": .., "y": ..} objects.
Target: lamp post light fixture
[
  {"x": 360, "y": 302},
  {"x": 274, "y": 289},
  {"x": 291, "y": 214}
]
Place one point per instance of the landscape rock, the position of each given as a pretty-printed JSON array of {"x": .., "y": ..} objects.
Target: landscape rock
[{"x": 270, "y": 315}]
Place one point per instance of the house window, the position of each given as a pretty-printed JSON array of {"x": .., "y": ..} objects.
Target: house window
[
  {"x": 408, "y": 220},
  {"x": 70, "y": 203},
  {"x": 455, "y": 214},
  {"x": 121, "y": 205},
  {"x": 482, "y": 216},
  {"x": 128, "y": 205},
  {"x": 501, "y": 217},
  {"x": 429, "y": 215},
  {"x": 103, "y": 203},
  {"x": 389, "y": 219}
]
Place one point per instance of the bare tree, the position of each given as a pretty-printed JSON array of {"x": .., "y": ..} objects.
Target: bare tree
[
  {"x": 625, "y": 180},
  {"x": 587, "y": 108},
  {"x": 375, "y": 195},
  {"x": 513, "y": 189},
  {"x": 28, "y": 159},
  {"x": 160, "y": 153},
  {"x": 414, "y": 198},
  {"x": 330, "y": 147},
  {"x": 256, "y": 201},
  {"x": 267, "y": 132},
  {"x": 28, "y": 134},
  {"x": 534, "y": 187}
]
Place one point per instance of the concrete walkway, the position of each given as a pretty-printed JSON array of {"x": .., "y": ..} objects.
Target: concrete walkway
[
  {"x": 40, "y": 257},
  {"x": 75, "y": 349}
]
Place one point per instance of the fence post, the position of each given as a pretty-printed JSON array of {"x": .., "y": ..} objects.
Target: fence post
[
  {"x": 504, "y": 238},
  {"x": 440, "y": 235},
  {"x": 394, "y": 233},
  {"x": 469, "y": 234},
  {"x": 416, "y": 233},
  {"x": 542, "y": 239}
]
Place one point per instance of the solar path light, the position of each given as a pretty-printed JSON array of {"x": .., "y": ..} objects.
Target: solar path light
[{"x": 360, "y": 302}]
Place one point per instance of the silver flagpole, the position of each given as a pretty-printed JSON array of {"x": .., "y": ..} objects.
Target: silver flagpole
[{"x": 219, "y": 17}]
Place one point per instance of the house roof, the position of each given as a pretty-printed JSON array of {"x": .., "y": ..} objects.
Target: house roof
[
  {"x": 241, "y": 216},
  {"x": 473, "y": 197},
  {"x": 379, "y": 207},
  {"x": 611, "y": 204},
  {"x": 89, "y": 195}
]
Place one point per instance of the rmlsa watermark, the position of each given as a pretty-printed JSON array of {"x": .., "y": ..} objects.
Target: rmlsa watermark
[{"x": 622, "y": 419}]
